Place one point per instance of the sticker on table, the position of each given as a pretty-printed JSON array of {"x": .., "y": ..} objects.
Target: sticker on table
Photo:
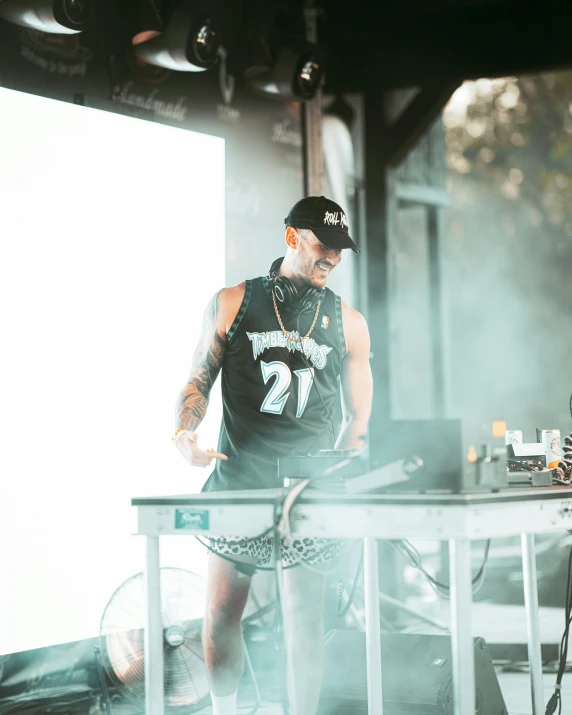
[{"x": 192, "y": 519}]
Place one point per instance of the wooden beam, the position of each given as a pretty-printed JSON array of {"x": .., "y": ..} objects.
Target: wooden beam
[
  {"x": 375, "y": 258},
  {"x": 425, "y": 7},
  {"x": 415, "y": 120}
]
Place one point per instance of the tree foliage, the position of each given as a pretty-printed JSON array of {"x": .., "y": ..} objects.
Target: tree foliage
[{"x": 515, "y": 134}]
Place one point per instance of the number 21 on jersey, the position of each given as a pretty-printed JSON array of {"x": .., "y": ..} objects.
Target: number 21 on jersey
[{"x": 278, "y": 395}]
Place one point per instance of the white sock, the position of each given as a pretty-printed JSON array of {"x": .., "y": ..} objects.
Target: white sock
[{"x": 224, "y": 705}]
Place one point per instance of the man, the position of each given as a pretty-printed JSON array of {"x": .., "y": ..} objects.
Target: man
[{"x": 284, "y": 343}]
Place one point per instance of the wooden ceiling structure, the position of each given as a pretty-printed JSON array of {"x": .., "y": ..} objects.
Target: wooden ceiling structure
[
  {"x": 406, "y": 43},
  {"x": 432, "y": 46}
]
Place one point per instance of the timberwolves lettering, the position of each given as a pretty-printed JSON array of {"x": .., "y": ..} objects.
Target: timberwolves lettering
[{"x": 318, "y": 354}]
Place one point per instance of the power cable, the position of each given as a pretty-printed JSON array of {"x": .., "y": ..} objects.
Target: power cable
[
  {"x": 407, "y": 549},
  {"x": 556, "y": 698}
]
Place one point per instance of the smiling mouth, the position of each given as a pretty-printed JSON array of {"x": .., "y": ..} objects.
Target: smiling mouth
[{"x": 324, "y": 267}]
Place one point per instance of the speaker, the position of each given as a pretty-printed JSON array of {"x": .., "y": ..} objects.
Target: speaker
[{"x": 416, "y": 676}]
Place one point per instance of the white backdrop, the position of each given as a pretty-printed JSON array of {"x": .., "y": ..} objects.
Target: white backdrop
[{"x": 112, "y": 243}]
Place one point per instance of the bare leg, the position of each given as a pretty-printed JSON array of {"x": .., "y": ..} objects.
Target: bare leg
[
  {"x": 227, "y": 591},
  {"x": 304, "y": 592}
]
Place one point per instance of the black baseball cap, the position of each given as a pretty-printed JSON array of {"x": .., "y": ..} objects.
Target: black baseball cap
[{"x": 325, "y": 218}]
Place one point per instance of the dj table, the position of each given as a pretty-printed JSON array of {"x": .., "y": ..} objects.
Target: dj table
[{"x": 456, "y": 518}]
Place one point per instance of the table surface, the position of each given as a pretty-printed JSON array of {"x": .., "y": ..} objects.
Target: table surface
[
  {"x": 470, "y": 515},
  {"x": 309, "y": 496}
]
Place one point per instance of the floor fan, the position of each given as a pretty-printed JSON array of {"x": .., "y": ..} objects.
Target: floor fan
[{"x": 120, "y": 654}]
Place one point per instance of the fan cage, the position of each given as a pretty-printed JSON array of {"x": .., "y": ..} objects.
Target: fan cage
[{"x": 121, "y": 639}]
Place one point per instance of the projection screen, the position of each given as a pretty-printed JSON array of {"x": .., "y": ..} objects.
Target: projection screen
[{"x": 113, "y": 243}]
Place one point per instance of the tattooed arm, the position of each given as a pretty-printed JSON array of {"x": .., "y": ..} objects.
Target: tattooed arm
[{"x": 207, "y": 361}]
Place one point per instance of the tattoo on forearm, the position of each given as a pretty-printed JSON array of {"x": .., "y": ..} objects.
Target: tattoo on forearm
[{"x": 207, "y": 361}]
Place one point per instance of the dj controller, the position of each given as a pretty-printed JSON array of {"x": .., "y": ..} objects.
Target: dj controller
[{"x": 426, "y": 456}]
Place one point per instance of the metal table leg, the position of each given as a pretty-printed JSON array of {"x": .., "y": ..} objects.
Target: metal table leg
[
  {"x": 372, "y": 628},
  {"x": 153, "y": 637},
  {"x": 532, "y": 624},
  {"x": 461, "y": 636}
]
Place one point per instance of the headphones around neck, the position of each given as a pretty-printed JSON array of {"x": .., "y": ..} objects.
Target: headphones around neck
[{"x": 287, "y": 295}]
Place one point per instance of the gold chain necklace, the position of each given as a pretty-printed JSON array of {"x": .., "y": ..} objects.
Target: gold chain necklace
[{"x": 287, "y": 335}]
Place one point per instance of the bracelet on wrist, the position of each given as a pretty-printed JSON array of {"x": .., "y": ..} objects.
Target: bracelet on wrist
[{"x": 178, "y": 433}]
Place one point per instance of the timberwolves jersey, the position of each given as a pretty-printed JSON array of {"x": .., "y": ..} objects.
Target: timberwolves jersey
[{"x": 276, "y": 393}]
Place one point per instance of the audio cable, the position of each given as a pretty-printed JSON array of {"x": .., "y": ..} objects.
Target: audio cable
[
  {"x": 407, "y": 549},
  {"x": 341, "y": 609},
  {"x": 556, "y": 698}
]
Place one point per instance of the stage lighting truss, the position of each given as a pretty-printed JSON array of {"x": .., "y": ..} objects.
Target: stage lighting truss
[
  {"x": 296, "y": 71},
  {"x": 188, "y": 40},
  {"x": 57, "y": 16}
]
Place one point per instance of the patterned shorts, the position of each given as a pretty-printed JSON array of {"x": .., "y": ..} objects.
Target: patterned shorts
[{"x": 311, "y": 551}]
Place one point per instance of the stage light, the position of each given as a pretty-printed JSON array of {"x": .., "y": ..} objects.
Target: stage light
[
  {"x": 295, "y": 71},
  {"x": 57, "y": 16},
  {"x": 146, "y": 20},
  {"x": 188, "y": 41}
]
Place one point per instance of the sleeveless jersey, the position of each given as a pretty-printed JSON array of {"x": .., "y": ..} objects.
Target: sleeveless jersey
[{"x": 276, "y": 393}]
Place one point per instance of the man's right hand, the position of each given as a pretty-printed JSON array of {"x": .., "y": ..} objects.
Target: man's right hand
[{"x": 197, "y": 457}]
